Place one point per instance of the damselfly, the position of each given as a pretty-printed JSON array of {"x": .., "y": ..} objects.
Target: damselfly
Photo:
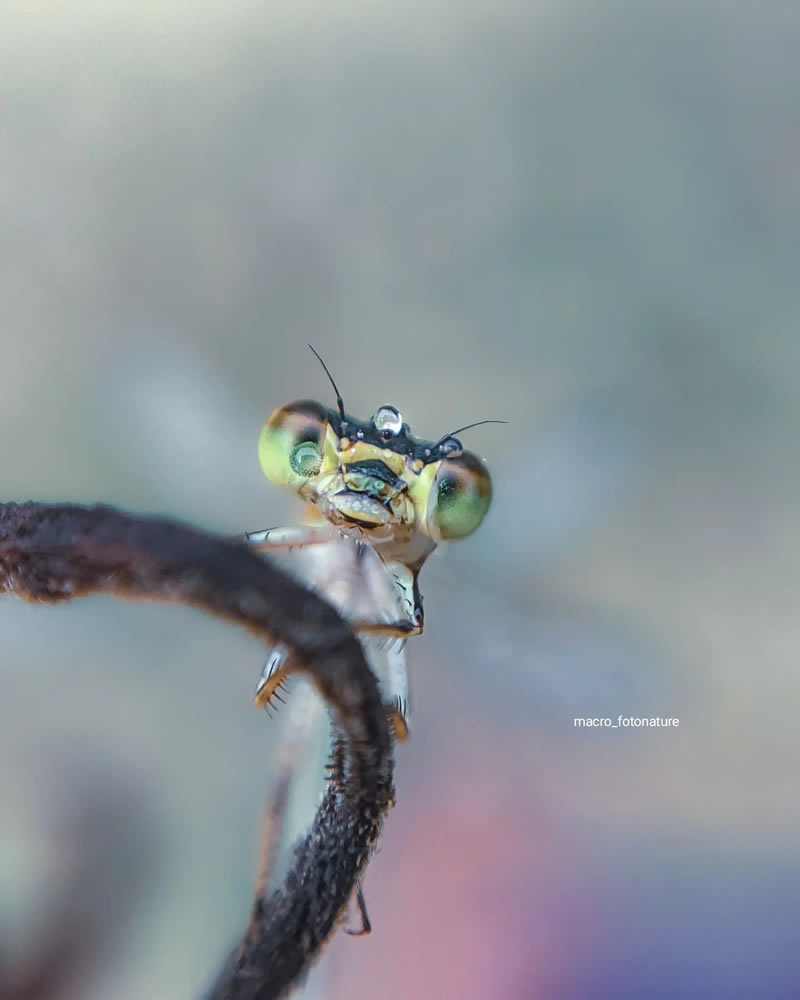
[{"x": 380, "y": 501}]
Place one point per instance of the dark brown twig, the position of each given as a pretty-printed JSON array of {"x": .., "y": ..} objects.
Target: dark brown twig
[{"x": 53, "y": 553}]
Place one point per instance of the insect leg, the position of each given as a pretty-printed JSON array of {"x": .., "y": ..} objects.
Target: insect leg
[
  {"x": 409, "y": 604},
  {"x": 273, "y": 676},
  {"x": 366, "y": 926},
  {"x": 398, "y": 629},
  {"x": 272, "y": 539},
  {"x": 397, "y": 710}
]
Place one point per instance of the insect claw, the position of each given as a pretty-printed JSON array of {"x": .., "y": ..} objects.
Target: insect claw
[{"x": 366, "y": 926}]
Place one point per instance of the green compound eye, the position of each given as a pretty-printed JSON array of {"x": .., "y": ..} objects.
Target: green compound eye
[
  {"x": 306, "y": 459},
  {"x": 290, "y": 448},
  {"x": 460, "y": 497}
]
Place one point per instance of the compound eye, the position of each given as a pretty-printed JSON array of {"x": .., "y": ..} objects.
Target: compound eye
[
  {"x": 291, "y": 446},
  {"x": 460, "y": 497}
]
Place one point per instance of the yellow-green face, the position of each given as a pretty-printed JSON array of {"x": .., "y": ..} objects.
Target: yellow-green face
[{"x": 374, "y": 477}]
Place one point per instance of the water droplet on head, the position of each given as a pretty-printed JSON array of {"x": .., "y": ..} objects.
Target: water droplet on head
[{"x": 388, "y": 421}]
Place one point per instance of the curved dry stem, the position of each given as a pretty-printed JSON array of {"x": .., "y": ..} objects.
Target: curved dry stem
[{"x": 56, "y": 552}]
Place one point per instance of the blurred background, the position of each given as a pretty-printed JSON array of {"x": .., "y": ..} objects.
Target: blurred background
[{"x": 579, "y": 217}]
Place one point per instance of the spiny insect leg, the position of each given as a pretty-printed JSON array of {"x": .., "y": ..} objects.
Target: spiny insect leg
[
  {"x": 272, "y": 679},
  {"x": 397, "y": 715}
]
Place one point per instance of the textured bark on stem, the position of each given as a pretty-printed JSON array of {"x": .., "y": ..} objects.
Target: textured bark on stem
[{"x": 57, "y": 552}]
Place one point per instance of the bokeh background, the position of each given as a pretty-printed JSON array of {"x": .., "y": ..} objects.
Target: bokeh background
[{"x": 581, "y": 217}]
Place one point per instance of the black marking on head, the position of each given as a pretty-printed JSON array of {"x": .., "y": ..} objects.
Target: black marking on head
[
  {"x": 377, "y": 469},
  {"x": 402, "y": 443}
]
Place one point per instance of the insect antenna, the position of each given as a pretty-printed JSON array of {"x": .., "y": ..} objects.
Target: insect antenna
[
  {"x": 466, "y": 427},
  {"x": 339, "y": 400}
]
